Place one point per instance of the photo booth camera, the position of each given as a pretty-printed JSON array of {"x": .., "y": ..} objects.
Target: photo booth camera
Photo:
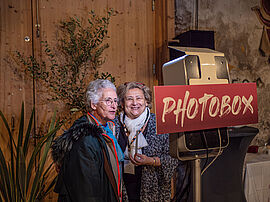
[{"x": 196, "y": 66}]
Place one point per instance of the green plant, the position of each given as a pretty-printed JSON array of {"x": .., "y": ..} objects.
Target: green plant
[
  {"x": 67, "y": 69},
  {"x": 20, "y": 180}
]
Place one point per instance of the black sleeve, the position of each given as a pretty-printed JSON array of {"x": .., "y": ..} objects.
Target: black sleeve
[
  {"x": 120, "y": 134},
  {"x": 83, "y": 173}
]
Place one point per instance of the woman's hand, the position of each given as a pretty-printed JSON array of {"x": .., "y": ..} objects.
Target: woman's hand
[{"x": 141, "y": 159}]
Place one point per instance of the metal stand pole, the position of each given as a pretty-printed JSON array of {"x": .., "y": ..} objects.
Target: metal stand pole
[{"x": 196, "y": 167}]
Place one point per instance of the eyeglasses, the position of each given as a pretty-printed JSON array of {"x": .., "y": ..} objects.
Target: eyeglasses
[
  {"x": 132, "y": 99},
  {"x": 110, "y": 101}
]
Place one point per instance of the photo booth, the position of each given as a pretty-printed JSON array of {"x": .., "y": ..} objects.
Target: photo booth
[{"x": 196, "y": 66}]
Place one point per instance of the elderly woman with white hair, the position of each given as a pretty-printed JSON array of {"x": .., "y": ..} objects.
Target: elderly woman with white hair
[{"x": 87, "y": 154}]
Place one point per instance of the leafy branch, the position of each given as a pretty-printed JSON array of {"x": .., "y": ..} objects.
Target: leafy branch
[{"x": 67, "y": 69}]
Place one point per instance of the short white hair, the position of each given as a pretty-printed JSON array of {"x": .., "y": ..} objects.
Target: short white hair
[{"x": 94, "y": 91}]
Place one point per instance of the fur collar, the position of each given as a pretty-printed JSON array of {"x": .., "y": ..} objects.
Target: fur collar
[{"x": 63, "y": 144}]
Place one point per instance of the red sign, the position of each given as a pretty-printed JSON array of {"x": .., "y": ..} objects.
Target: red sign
[{"x": 197, "y": 107}]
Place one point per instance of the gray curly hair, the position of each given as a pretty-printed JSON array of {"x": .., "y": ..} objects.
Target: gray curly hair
[
  {"x": 94, "y": 91},
  {"x": 122, "y": 90}
]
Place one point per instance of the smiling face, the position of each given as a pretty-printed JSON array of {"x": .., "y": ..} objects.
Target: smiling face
[
  {"x": 105, "y": 109},
  {"x": 134, "y": 103}
]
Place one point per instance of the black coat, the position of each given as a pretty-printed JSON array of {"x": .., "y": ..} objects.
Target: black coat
[{"x": 82, "y": 176}]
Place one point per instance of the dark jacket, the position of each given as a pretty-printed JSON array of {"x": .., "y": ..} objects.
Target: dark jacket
[{"x": 82, "y": 175}]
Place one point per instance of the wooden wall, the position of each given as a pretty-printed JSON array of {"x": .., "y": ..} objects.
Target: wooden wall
[
  {"x": 15, "y": 25},
  {"x": 138, "y": 42}
]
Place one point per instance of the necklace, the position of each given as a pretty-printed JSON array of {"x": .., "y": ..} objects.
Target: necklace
[{"x": 137, "y": 132}]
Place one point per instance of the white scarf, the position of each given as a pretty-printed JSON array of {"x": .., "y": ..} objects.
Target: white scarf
[{"x": 134, "y": 125}]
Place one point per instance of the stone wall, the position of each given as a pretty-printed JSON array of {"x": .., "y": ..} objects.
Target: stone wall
[{"x": 237, "y": 34}]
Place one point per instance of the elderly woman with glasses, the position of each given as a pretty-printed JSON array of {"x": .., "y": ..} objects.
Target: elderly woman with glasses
[
  {"x": 88, "y": 155},
  {"x": 148, "y": 167}
]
